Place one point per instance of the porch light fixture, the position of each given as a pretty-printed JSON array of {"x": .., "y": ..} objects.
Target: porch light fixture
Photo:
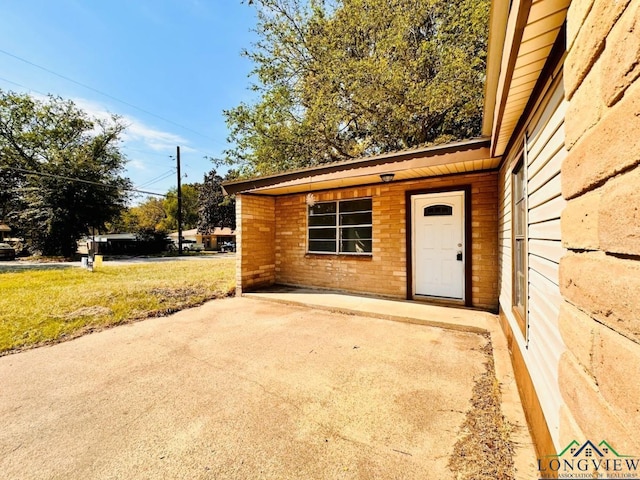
[
  {"x": 311, "y": 199},
  {"x": 387, "y": 177}
]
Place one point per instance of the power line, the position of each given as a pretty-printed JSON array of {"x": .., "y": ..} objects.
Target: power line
[
  {"x": 157, "y": 179},
  {"x": 19, "y": 85},
  {"x": 146, "y": 152},
  {"x": 124, "y": 147},
  {"x": 103, "y": 93},
  {"x": 80, "y": 180}
]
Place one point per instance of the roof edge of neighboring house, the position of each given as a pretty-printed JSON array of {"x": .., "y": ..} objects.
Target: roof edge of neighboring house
[
  {"x": 239, "y": 186},
  {"x": 220, "y": 231}
]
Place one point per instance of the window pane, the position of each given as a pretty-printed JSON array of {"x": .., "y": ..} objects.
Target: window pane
[
  {"x": 355, "y": 246},
  {"x": 322, "y": 233},
  {"x": 322, "y": 221},
  {"x": 520, "y": 274},
  {"x": 438, "y": 210},
  {"x": 322, "y": 208},
  {"x": 355, "y": 233},
  {"x": 519, "y": 218},
  {"x": 322, "y": 246},
  {"x": 519, "y": 224},
  {"x": 518, "y": 183},
  {"x": 360, "y": 205},
  {"x": 355, "y": 218}
]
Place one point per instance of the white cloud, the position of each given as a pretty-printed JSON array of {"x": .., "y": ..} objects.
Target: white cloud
[
  {"x": 157, "y": 140},
  {"x": 147, "y": 149},
  {"x": 136, "y": 132},
  {"x": 136, "y": 164}
]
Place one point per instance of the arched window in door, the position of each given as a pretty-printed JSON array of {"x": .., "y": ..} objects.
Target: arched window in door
[{"x": 438, "y": 210}]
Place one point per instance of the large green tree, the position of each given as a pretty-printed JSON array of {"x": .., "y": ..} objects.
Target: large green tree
[
  {"x": 190, "y": 207},
  {"x": 60, "y": 171},
  {"x": 156, "y": 217},
  {"x": 146, "y": 219},
  {"x": 345, "y": 78},
  {"x": 216, "y": 209}
]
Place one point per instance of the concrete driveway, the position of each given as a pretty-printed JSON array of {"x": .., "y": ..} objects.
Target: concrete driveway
[{"x": 240, "y": 388}]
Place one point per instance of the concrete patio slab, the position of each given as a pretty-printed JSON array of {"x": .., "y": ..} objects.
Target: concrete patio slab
[
  {"x": 431, "y": 315},
  {"x": 240, "y": 388}
]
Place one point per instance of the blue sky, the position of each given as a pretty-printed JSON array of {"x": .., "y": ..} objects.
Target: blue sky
[{"x": 177, "y": 61}]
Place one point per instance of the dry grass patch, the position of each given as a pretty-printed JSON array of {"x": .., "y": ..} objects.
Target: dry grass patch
[
  {"x": 44, "y": 306},
  {"x": 485, "y": 450}
]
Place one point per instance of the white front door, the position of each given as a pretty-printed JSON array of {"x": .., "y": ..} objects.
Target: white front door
[{"x": 438, "y": 245}]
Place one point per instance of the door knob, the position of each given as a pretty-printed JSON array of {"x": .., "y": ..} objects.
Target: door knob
[{"x": 459, "y": 255}]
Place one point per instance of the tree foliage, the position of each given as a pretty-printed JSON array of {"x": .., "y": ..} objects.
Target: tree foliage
[
  {"x": 190, "y": 207},
  {"x": 45, "y": 145},
  {"x": 216, "y": 209},
  {"x": 146, "y": 219},
  {"x": 203, "y": 207},
  {"x": 156, "y": 217},
  {"x": 341, "y": 79}
]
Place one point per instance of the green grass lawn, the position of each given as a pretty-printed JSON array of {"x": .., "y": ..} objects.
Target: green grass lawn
[{"x": 43, "y": 306}]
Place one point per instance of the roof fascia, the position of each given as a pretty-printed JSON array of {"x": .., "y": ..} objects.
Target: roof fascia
[
  {"x": 252, "y": 184},
  {"x": 516, "y": 24},
  {"x": 498, "y": 18},
  {"x": 547, "y": 77}
]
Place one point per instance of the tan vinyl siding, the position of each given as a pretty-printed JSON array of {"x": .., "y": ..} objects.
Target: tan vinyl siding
[
  {"x": 504, "y": 234},
  {"x": 545, "y": 153},
  {"x": 542, "y": 344}
]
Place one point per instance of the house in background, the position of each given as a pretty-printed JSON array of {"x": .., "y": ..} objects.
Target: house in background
[
  {"x": 109, "y": 243},
  {"x": 538, "y": 220},
  {"x": 211, "y": 241},
  {"x": 120, "y": 244},
  {"x": 4, "y": 231}
]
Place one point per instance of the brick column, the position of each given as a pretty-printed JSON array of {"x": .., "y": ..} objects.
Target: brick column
[{"x": 255, "y": 241}]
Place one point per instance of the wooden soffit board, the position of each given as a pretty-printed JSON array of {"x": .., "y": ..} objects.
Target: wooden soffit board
[
  {"x": 531, "y": 31},
  {"x": 461, "y": 157}
]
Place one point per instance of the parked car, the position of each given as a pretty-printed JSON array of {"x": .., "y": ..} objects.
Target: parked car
[
  {"x": 188, "y": 246},
  {"x": 7, "y": 252},
  {"x": 228, "y": 247}
]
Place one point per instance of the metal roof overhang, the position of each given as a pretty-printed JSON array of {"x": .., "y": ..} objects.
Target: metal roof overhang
[
  {"x": 520, "y": 41},
  {"x": 459, "y": 157}
]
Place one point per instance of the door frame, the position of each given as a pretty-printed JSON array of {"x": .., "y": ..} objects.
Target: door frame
[{"x": 409, "y": 194}]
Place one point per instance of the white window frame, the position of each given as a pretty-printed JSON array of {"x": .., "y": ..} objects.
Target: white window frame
[
  {"x": 520, "y": 279},
  {"x": 340, "y": 228}
]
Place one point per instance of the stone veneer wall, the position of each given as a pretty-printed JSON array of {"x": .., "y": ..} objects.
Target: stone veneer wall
[
  {"x": 255, "y": 239},
  {"x": 385, "y": 271},
  {"x": 600, "y": 276}
]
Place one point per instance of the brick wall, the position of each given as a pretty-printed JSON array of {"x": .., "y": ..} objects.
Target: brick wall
[
  {"x": 600, "y": 276},
  {"x": 255, "y": 239},
  {"x": 385, "y": 271}
]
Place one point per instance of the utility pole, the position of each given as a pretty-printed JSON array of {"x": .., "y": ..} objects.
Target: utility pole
[{"x": 179, "y": 202}]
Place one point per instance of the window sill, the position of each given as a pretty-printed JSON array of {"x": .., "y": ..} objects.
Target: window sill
[
  {"x": 338, "y": 255},
  {"x": 520, "y": 321}
]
